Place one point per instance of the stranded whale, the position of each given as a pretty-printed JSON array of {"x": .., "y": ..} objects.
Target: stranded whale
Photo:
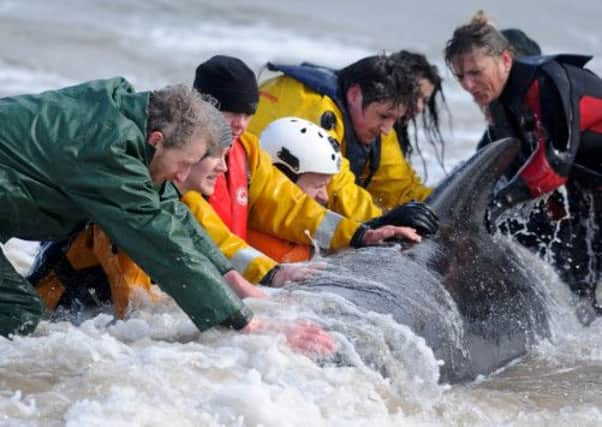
[{"x": 466, "y": 293}]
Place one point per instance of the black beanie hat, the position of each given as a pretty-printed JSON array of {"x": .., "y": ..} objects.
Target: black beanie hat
[{"x": 230, "y": 81}]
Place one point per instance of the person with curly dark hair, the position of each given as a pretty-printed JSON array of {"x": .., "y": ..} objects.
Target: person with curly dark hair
[{"x": 358, "y": 106}]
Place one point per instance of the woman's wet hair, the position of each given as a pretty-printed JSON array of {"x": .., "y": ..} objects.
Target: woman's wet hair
[
  {"x": 479, "y": 33},
  {"x": 420, "y": 68}
]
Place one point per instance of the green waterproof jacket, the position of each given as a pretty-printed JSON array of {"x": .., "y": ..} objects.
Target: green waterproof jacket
[{"x": 80, "y": 154}]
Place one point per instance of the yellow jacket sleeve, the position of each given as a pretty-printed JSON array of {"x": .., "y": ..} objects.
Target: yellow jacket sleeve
[
  {"x": 280, "y": 208},
  {"x": 284, "y": 96},
  {"x": 395, "y": 182},
  {"x": 252, "y": 264},
  {"x": 348, "y": 198}
]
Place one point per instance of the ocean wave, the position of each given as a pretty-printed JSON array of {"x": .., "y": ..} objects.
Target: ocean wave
[
  {"x": 257, "y": 43},
  {"x": 15, "y": 79}
]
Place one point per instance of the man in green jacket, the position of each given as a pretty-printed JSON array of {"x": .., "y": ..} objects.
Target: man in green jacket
[{"x": 101, "y": 152}]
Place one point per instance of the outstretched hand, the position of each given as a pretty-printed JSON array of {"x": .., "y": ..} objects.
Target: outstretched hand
[
  {"x": 302, "y": 336},
  {"x": 242, "y": 287},
  {"x": 309, "y": 339},
  {"x": 295, "y": 272},
  {"x": 416, "y": 215},
  {"x": 379, "y": 235}
]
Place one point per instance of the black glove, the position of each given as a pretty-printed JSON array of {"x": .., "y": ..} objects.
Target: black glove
[
  {"x": 413, "y": 214},
  {"x": 269, "y": 276},
  {"x": 357, "y": 240},
  {"x": 511, "y": 195}
]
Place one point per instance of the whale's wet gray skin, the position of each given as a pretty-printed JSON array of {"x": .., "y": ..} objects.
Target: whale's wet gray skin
[{"x": 467, "y": 294}]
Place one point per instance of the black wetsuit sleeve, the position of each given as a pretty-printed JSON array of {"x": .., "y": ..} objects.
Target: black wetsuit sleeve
[{"x": 553, "y": 117}]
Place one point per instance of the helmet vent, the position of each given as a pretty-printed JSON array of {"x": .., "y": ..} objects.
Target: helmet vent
[
  {"x": 287, "y": 157},
  {"x": 303, "y": 130},
  {"x": 334, "y": 143}
]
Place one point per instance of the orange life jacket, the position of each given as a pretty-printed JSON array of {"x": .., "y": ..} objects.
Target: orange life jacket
[
  {"x": 92, "y": 247},
  {"x": 278, "y": 249}
]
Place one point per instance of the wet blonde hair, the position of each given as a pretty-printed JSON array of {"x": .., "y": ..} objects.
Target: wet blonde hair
[
  {"x": 479, "y": 33},
  {"x": 481, "y": 18}
]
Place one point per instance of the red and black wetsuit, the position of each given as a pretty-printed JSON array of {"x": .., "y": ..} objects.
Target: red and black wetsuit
[{"x": 554, "y": 106}]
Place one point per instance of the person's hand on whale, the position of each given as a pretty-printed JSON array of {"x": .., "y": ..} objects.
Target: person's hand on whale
[
  {"x": 415, "y": 215},
  {"x": 365, "y": 236},
  {"x": 302, "y": 336}
]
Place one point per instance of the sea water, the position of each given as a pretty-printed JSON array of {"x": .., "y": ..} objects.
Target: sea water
[{"x": 154, "y": 368}]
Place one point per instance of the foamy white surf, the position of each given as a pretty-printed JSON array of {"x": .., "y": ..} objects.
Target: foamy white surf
[{"x": 155, "y": 368}]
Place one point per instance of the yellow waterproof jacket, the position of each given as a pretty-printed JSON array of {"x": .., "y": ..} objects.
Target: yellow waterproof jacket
[
  {"x": 252, "y": 264},
  {"x": 279, "y": 207},
  {"x": 276, "y": 206},
  {"x": 394, "y": 183}
]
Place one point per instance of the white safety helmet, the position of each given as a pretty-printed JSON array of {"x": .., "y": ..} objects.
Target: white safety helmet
[{"x": 301, "y": 146}]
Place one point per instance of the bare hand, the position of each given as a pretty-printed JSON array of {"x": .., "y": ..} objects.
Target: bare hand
[
  {"x": 302, "y": 336},
  {"x": 295, "y": 272},
  {"x": 255, "y": 325},
  {"x": 379, "y": 235},
  {"x": 242, "y": 287},
  {"x": 309, "y": 339}
]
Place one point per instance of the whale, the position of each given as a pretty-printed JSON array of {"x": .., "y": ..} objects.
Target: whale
[{"x": 466, "y": 292}]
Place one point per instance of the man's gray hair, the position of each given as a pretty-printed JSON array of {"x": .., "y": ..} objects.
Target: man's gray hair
[{"x": 181, "y": 115}]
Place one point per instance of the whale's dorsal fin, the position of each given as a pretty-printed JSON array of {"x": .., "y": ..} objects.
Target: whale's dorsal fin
[{"x": 456, "y": 200}]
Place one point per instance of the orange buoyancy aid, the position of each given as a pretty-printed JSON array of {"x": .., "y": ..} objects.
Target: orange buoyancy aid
[
  {"x": 278, "y": 249},
  {"x": 231, "y": 196},
  {"x": 92, "y": 247}
]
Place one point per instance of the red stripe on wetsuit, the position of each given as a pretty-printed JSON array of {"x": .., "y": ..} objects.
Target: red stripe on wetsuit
[{"x": 538, "y": 174}]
